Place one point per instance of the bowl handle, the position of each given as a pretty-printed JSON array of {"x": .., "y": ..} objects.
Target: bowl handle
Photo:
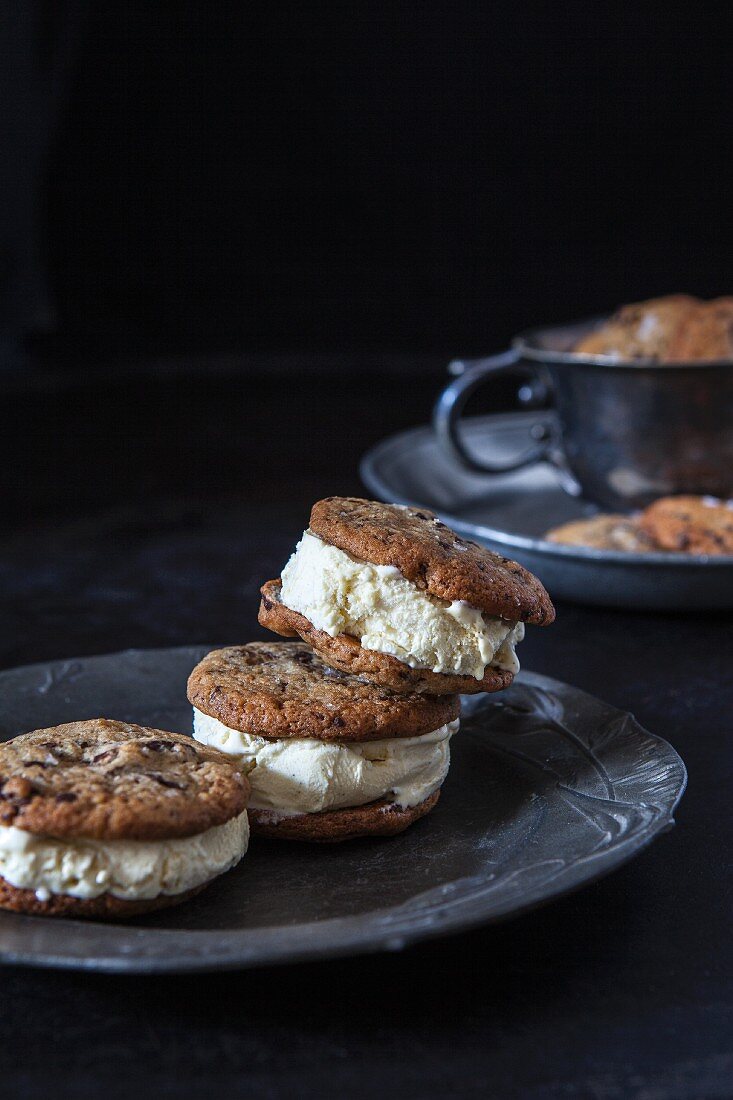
[{"x": 470, "y": 375}]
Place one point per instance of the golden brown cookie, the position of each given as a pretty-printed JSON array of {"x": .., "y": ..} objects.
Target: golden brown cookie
[
  {"x": 108, "y": 780},
  {"x": 693, "y": 525},
  {"x": 381, "y": 818},
  {"x": 282, "y": 690},
  {"x": 707, "y": 333},
  {"x": 345, "y": 653},
  {"x": 606, "y": 532},
  {"x": 644, "y": 330},
  {"x": 432, "y": 556},
  {"x": 108, "y": 819}
]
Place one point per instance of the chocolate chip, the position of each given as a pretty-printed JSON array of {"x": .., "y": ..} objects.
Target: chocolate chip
[
  {"x": 107, "y": 754},
  {"x": 338, "y": 722},
  {"x": 260, "y": 657},
  {"x": 159, "y": 746},
  {"x": 66, "y": 796},
  {"x": 167, "y": 782},
  {"x": 17, "y": 789}
]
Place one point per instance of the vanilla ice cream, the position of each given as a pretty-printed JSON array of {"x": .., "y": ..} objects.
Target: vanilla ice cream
[
  {"x": 129, "y": 869},
  {"x": 387, "y": 613},
  {"x": 301, "y": 775}
]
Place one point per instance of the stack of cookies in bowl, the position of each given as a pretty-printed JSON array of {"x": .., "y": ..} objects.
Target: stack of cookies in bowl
[
  {"x": 346, "y": 732},
  {"x": 342, "y": 730}
]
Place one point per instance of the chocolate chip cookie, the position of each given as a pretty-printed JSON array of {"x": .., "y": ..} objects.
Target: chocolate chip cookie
[
  {"x": 606, "y": 532},
  {"x": 642, "y": 330},
  {"x": 432, "y": 556},
  {"x": 330, "y": 756},
  {"x": 674, "y": 329},
  {"x": 283, "y": 689},
  {"x": 104, "y": 818},
  {"x": 693, "y": 525}
]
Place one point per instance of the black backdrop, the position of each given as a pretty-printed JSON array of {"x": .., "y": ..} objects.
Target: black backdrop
[{"x": 372, "y": 176}]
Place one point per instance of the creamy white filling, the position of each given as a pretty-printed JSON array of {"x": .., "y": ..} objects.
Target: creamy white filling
[
  {"x": 389, "y": 614},
  {"x": 303, "y": 775},
  {"x": 129, "y": 869}
]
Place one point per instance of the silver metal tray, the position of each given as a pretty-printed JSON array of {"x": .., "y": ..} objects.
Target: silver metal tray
[
  {"x": 548, "y": 790},
  {"x": 509, "y": 513}
]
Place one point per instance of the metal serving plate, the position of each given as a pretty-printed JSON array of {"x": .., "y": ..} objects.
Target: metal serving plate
[
  {"x": 509, "y": 513},
  {"x": 549, "y": 789}
]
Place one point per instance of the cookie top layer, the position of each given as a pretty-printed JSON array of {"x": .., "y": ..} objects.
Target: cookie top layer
[
  {"x": 278, "y": 690},
  {"x": 693, "y": 525},
  {"x": 432, "y": 557},
  {"x": 106, "y": 780}
]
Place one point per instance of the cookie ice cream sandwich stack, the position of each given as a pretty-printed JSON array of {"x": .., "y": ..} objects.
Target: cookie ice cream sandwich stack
[
  {"x": 109, "y": 819},
  {"x": 348, "y": 730},
  {"x": 394, "y": 596},
  {"x": 335, "y": 757}
]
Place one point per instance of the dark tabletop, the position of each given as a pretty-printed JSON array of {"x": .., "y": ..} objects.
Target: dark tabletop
[{"x": 144, "y": 509}]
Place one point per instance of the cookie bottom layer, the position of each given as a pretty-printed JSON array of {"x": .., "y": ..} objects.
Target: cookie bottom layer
[
  {"x": 105, "y": 907},
  {"x": 346, "y": 653},
  {"x": 382, "y": 818}
]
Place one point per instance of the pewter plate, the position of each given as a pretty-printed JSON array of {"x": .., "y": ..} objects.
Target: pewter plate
[
  {"x": 549, "y": 789},
  {"x": 509, "y": 513}
]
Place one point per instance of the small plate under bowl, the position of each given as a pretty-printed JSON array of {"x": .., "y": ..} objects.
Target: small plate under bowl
[{"x": 509, "y": 513}]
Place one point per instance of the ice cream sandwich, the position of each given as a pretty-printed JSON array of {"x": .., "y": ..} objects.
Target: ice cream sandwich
[
  {"x": 335, "y": 757},
  {"x": 108, "y": 819},
  {"x": 393, "y": 595}
]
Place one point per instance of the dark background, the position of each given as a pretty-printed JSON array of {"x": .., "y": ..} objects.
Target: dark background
[
  {"x": 386, "y": 177},
  {"x": 237, "y": 244}
]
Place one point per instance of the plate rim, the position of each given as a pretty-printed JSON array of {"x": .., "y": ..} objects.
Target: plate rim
[
  {"x": 583, "y": 554},
  {"x": 336, "y": 935}
]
